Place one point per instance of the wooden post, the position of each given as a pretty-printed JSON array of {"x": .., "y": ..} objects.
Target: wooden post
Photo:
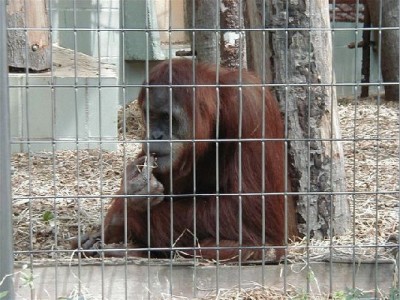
[
  {"x": 258, "y": 49},
  {"x": 30, "y": 48},
  {"x": 232, "y": 41},
  {"x": 6, "y": 225},
  {"x": 385, "y": 13},
  {"x": 366, "y": 52},
  {"x": 205, "y": 17},
  {"x": 302, "y": 61}
]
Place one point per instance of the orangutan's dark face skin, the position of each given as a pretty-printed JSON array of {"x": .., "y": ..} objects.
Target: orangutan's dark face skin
[{"x": 167, "y": 123}]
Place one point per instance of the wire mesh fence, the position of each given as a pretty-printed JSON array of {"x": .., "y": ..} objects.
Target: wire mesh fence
[{"x": 199, "y": 149}]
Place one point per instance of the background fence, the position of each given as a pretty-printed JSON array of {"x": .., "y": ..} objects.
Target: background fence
[{"x": 70, "y": 126}]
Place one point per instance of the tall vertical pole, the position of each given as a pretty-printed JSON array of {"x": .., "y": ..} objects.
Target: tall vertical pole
[{"x": 6, "y": 240}]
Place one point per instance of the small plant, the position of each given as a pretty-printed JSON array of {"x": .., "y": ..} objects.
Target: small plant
[
  {"x": 302, "y": 296},
  {"x": 353, "y": 294},
  {"x": 394, "y": 293},
  {"x": 339, "y": 295},
  {"x": 48, "y": 216},
  {"x": 27, "y": 279},
  {"x": 349, "y": 294}
]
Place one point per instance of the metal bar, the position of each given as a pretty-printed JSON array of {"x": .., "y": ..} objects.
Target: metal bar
[
  {"x": 286, "y": 96},
  {"x": 263, "y": 144},
  {"x": 101, "y": 162},
  {"x": 54, "y": 145},
  {"x": 380, "y": 80},
  {"x": 382, "y": 192},
  {"x": 221, "y": 30},
  {"x": 217, "y": 147},
  {"x": 398, "y": 182},
  {"x": 193, "y": 100},
  {"x": 6, "y": 233},
  {"x": 292, "y": 84},
  {"x": 171, "y": 154}
]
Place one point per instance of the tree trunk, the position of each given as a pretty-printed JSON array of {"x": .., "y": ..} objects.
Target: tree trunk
[
  {"x": 304, "y": 57},
  {"x": 258, "y": 48},
  {"x": 232, "y": 42},
  {"x": 366, "y": 53},
  {"x": 389, "y": 44},
  {"x": 30, "y": 50},
  {"x": 204, "y": 43}
]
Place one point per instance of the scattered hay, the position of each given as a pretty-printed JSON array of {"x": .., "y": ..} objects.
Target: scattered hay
[
  {"x": 371, "y": 149},
  {"x": 54, "y": 192},
  {"x": 253, "y": 291},
  {"x": 129, "y": 122}
]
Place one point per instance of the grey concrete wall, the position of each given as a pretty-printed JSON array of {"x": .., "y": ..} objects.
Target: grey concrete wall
[
  {"x": 88, "y": 14},
  {"x": 52, "y": 110},
  {"x": 157, "y": 281},
  {"x": 347, "y": 62}
]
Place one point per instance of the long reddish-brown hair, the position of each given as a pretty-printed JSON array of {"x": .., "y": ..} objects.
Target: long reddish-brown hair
[{"x": 250, "y": 135}]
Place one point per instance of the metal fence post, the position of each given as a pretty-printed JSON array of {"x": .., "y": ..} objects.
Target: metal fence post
[{"x": 6, "y": 237}]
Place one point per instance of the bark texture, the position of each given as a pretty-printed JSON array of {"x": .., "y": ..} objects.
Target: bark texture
[
  {"x": 258, "y": 44},
  {"x": 302, "y": 59},
  {"x": 385, "y": 13},
  {"x": 30, "y": 50},
  {"x": 232, "y": 38},
  {"x": 203, "y": 14}
]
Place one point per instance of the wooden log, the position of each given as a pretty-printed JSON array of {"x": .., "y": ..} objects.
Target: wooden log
[
  {"x": 346, "y": 1},
  {"x": 258, "y": 48},
  {"x": 204, "y": 43},
  {"x": 28, "y": 35},
  {"x": 232, "y": 41},
  {"x": 366, "y": 53},
  {"x": 385, "y": 14}
]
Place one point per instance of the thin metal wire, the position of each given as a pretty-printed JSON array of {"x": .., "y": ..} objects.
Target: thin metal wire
[
  {"x": 53, "y": 146},
  {"x": 122, "y": 3},
  {"x": 147, "y": 116},
  {"x": 122, "y": 91},
  {"x": 27, "y": 97},
  {"x": 160, "y": 30},
  {"x": 218, "y": 38},
  {"x": 240, "y": 131},
  {"x": 199, "y": 247},
  {"x": 286, "y": 93},
  {"x": 376, "y": 276},
  {"x": 263, "y": 143},
  {"x": 101, "y": 163},
  {"x": 397, "y": 258},
  {"x": 113, "y": 141},
  {"x": 6, "y": 232},
  {"x": 76, "y": 113},
  {"x": 332, "y": 94},
  {"x": 217, "y": 182},
  {"x": 354, "y": 173},
  {"x": 170, "y": 81},
  {"x": 331, "y": 164},
  {"x": 194, "y": 79},
  {"x": 382, "y": 192},
  {"x": 340, "y": 84}
]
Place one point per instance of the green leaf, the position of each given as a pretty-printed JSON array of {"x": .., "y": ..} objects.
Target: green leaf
[{"x": 47, "y": 216}]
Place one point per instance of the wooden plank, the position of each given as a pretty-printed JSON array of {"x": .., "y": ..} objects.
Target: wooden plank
[
  {"x": 346, "y": 1},
  {"x": 134, "y": 281},
  {"x": 257, "y": 42},
  {"x": 30, "y": 49}
]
